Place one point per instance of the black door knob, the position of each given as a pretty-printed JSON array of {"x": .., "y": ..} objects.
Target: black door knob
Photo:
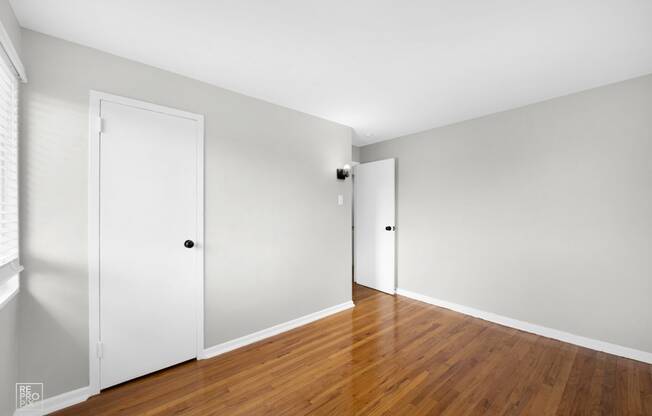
[
  {"x": 389, "y": 228},
  {"x": 189, "y": 244}
]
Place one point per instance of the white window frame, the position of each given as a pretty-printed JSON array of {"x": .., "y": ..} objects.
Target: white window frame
[{"x": 10, "y": 272}]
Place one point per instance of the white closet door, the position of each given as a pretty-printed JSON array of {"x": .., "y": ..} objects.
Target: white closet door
[
  {"x": 148, "y": 209},
  {"x": 374, "y": 224}
]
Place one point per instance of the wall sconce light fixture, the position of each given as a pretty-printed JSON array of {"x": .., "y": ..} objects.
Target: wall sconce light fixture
[{"x": 344, "y": 172}]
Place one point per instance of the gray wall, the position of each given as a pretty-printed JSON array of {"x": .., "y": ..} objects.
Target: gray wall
[
  {"x": 8, "y": 357},
  {"x": 10, "y": 23},
  {"x": 8, "y": 315},
  {"x": 542, "y": 214},
  {"x": 355, "y": 153},
  {"x": 277, "y": 244}
]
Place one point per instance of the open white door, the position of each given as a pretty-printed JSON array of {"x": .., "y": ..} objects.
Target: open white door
[
  {"x": 149, "y": 238},
  {"x": 374, "y": 225}
]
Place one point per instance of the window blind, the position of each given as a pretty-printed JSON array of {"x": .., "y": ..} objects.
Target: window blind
[{"x": 8, "y": 172}]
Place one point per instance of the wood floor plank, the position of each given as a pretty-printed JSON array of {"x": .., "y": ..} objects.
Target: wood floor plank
[{"x": 388, "y": 356}]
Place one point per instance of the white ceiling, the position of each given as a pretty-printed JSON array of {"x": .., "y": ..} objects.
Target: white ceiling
[{"x": 386, "y": 68}]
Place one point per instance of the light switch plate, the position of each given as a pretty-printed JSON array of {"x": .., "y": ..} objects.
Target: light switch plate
[{"x": 340, "y": 200}]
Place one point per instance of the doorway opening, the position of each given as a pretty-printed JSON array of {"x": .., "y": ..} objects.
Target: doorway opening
[{"x": 374, "y": 225}]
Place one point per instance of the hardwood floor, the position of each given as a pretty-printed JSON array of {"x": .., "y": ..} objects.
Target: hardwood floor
[{"x": 391, "y": 356}]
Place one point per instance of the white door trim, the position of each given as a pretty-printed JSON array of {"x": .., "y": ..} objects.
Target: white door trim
[{"x": 94, "y": 123}]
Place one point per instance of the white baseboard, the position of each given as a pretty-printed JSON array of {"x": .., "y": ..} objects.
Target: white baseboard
[
  {"x": 593, "y": 344},
  {"x": 274, "y": 330},
  {"x": 52, "y": 404}
]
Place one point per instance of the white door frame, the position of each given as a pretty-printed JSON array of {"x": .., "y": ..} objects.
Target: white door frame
[{"x": 95, "y": 126}]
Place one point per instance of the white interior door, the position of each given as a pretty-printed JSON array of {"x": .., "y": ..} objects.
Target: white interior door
[
  {"x": 148, "y": 208},
  {"x": 374, "y": 224}
]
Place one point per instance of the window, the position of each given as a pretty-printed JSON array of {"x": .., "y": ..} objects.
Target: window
[{"x": 9, "y": 266}]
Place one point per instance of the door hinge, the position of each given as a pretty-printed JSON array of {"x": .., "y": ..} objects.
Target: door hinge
[
  {"x": 100, "y": 125},
  {"x": 100, "y": 349}
]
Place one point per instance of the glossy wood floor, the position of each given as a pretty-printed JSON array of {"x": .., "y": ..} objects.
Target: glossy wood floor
[{"x": 391, "y": 356}]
